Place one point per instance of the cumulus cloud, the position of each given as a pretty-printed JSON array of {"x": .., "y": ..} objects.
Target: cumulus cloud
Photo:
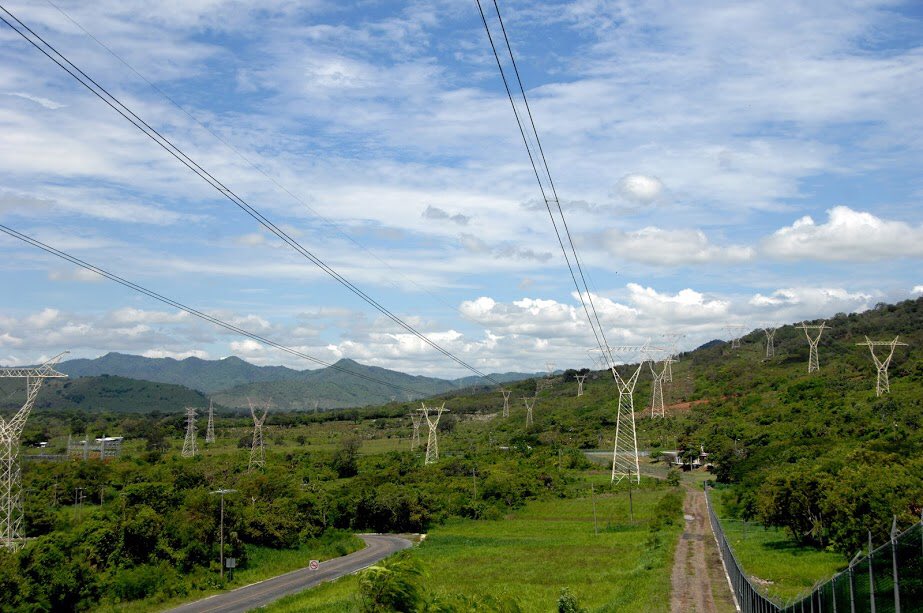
[
  {"x": 917, "y": 289},
  {"x": 846, "y": 235},
  {"x": 797, "y": 303},
  {"x": 660, "y": 247},
  {"x": 640, "y": 189}
]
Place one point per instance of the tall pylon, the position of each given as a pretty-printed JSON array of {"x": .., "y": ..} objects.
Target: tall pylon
[
  {"x": 530, "y": 404},
  {"x": 657, "y": 408},
  {"x": 735, "y": 331},
  {"x": 416, "y": 418},
  {"x": 672, "y": 339},
  {"x": 210, "y": 428},
  {"x": 432, "y": 442},
  {"x": 882, "y": 385},
  {"x": 813, "y": 362},
  {"x": 625, "y": 451},
  {"x": 506, "y": 402},
  {"x": 11, "y": 512},
  {"x": 580, "y": 380},
  {"x": 770, "y": 332},
  {"x": 257, "y": 451},
  {"x": 189, "y": 446}
]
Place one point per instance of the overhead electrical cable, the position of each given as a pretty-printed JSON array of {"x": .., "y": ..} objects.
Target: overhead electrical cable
[
  {"x": 250, "y": 162},
  {"x": 74, "y": 71},
  {"x": 195, "y": 312},
  {"x": 538, "y": 169}
]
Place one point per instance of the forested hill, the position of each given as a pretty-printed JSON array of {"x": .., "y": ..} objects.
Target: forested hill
[
  {"x": 103, "y": 394},
  {"x": 818, "y": 453}
]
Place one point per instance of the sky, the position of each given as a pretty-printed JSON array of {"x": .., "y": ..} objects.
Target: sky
[{"x": 749, "y": 163}]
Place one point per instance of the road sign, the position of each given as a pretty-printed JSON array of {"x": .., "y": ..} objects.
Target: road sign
[
  {"x": 230, "y": 562},
  {"x": 314, "y": 564}
]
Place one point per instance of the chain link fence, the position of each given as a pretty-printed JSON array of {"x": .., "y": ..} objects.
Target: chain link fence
[{"x": 889, "y": 579}]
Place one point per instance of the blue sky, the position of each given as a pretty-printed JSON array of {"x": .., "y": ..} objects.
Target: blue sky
[{"x": 754, "y": 163}]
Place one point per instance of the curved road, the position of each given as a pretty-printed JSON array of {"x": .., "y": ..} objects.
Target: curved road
[{"x": 377, "y": 546}]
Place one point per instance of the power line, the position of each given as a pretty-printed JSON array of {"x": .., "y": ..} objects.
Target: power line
[
  {"x": 195, "y": 312},
  {"x": 600, "y": 335},
  {"x": 79, "y": 75},
  {"x": 250, "y": 162}
]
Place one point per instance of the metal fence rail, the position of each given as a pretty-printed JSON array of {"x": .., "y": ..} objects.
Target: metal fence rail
[{"x": 889, "y": 579}]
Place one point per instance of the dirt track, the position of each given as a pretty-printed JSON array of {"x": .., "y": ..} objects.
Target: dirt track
[{"x": 698, "y": 580}]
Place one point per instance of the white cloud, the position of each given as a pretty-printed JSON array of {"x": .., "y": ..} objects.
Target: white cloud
[
  {"x": 76, "y": 274},
  {"x": 45, "y": 102},
  {"x": 661, "y": 247},
  {"x": 130, "y": 315},
  {"x": 176, "y": 355},
  {"x": 247, "y": 347},
  {"x": 798, "y": 303},
  {"x": 640, "y": 189},
  {"x": 43, "y": 319},
  {"x": 847, "y": 235},
  {"x": 918, "y": 289}
]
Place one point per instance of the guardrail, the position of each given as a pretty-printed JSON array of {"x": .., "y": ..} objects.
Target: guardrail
[{"x": 878, "y": 582}]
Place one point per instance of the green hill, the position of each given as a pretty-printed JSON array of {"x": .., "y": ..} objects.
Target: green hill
[{"x": 104, "y": 393}]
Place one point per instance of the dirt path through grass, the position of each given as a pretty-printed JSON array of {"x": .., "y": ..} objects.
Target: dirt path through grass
[{"x": 698, "y": 581}]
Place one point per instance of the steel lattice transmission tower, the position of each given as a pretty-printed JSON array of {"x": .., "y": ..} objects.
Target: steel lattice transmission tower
[
  {"x": 189, "y": 447},
  {"x": 210, "y": 428},
  {"x": 770, "y": 332},
  {"x": 657, "y": 408},
  {"x": 882, "y": 385},
  {"x": 735, "y": 331},
  {"x": 672, "y": 338},
  {"x": 257, "y": 451},
  {"x": 625, "y": 450},
  {"x": 580, "y": 380},
  {"x": 11, "y": 529},
  {"x": 530, "y": 404},
  {"x": 432, "y": 442},
  {"x": 506, "y": 402},
  {"x": 416, "y": 418},
  {"x": 813, "y": 363}
]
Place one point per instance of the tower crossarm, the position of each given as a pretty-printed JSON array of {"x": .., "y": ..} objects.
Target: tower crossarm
[{"x": 45, "y": 371}]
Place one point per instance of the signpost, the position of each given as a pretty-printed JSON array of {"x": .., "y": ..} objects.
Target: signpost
[
  {"x": 314, "y": 565},
  {"x": 230, "y": 564}
]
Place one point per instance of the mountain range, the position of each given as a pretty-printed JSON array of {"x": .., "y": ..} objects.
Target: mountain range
[{"x": 231, "y": 381}]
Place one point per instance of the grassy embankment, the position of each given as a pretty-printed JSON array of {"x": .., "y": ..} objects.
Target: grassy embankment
[
  {"x": 535, "y": 551},
  {"x": 780, "y": 567}
]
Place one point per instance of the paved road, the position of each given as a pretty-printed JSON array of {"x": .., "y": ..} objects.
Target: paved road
[{"x": 249, "y": 597}]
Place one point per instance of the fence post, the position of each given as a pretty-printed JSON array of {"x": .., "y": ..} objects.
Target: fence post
[
  {"x": 871, "y": 577},
  {"x": 833, "y": 591},
  {"x": 897, "y": 591},
  {"x": 852, "y": 583}
]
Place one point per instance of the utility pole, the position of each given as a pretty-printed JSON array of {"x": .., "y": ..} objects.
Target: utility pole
[
  {"x": 416, "y": 418},
  {"x": 672, "y": 339},
  {"x": 11, "y": 515},
  {"x": 506, "y": 402},
  {"x": 222, "y": 492}
]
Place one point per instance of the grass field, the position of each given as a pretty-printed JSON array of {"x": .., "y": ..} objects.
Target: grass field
[
  {"x": 534, "y": 552},
  {"x": 780, "y": 567}
]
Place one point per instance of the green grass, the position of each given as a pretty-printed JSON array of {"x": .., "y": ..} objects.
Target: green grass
[
  {"x": 534, "y": 552},
  {"x": 263, "y": 563},
  {"x": 781, "y": 568}
]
